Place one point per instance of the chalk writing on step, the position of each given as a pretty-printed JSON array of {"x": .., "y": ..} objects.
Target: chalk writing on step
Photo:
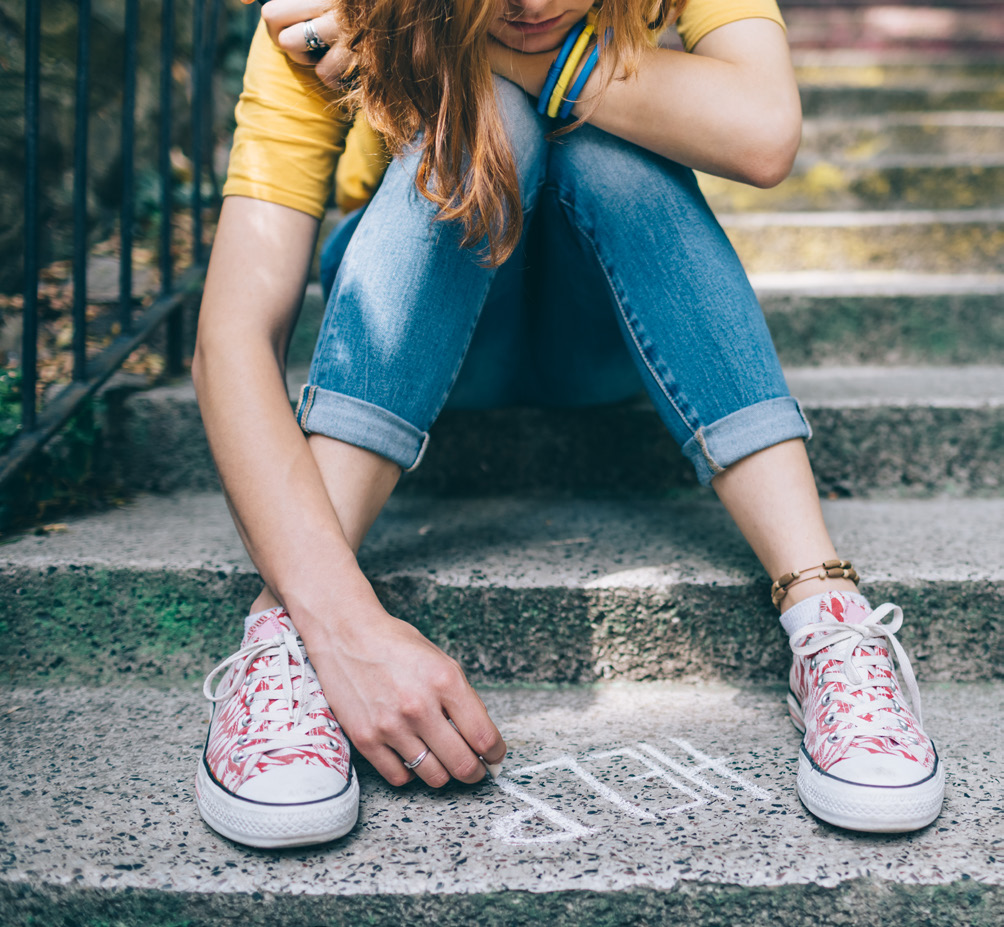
[{"x": 663, "y": 785}]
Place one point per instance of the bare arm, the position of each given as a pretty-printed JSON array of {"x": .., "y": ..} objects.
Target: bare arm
[
  {"x": 730, "y": 108},
  {"x": 254, "y": 286},
  {"x": 390, "y": 688}
]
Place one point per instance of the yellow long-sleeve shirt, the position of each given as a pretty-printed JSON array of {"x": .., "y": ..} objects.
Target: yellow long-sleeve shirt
[{"x": 291, "y": 132}]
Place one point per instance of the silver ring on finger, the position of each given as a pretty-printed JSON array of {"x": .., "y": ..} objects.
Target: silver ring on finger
[
  {"x": 418, "y": 759},
  {"x": 313, "y": 41}
]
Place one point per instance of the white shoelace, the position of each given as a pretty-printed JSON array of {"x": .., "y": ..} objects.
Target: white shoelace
[
  {"x": 853, "y": 652},
  {"x": 286, "y": 725}
]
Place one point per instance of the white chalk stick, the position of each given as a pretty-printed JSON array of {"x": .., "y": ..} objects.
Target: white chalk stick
[{"x": 494, "y": 769}]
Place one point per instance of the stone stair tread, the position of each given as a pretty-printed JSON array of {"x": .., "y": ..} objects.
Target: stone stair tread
[
  {"x": 977, "y": 162},
  {"x": 812, "y": 283},
  {"x": 829, "y": 98},
  {"x": 538, "y": 543},
  {"x": 989, "y": 119},
  {"x": 922, "y": 240},
  {"x": 976, "y": 386},
  {"x": 862, "y": 218},
  {"x": 969, "y": 386},
  {"x": 927, "y": 139},
  {"x": 822, "y": 184},
  {"x": 875, "y": 73},
  {"x": 104, "y": 819}
]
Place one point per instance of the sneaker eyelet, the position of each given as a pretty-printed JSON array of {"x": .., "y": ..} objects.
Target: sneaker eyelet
[
  {"x": 248, "y": 699},
  {"x": 834, "y": 738},
  {"x": 237, "y": 757},
  {"x": 826, "y": 699},
  {"x": 813, "y": 664},
  {"x": 829, "y": 719},
  {"x": 246, "y": 721},
  {"x": 242, "y": 740}
]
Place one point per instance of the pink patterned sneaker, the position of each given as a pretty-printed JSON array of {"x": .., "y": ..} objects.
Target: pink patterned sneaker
[
  {"x": 865, "y": 762},
  {"x": 275, "y": 771}
]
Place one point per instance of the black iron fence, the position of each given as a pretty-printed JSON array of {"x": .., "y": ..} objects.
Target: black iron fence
[{"x": 134, "y": 326}]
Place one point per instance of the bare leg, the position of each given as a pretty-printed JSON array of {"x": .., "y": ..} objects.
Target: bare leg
[
  {"x": 772, "y": 497},
  {"x": 358, "y": 482}
]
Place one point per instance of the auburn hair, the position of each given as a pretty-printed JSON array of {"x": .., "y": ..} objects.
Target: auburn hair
[{"x": 421, "y": 75}]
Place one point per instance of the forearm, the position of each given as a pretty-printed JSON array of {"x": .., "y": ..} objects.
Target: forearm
[
  {"x": 274, "y": 488},
  {"x": 270, "y": 477},
  {"x": 724, "y": 109}
]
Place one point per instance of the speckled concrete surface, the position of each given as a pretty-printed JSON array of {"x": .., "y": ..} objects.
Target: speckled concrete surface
[
  {"x": 97, "y": 794},
  {"x": 533, "y": 542},
  {"x": 514, "y": 589}
]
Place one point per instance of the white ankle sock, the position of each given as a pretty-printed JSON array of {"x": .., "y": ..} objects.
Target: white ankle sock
[{"x": 806, "y": 611}]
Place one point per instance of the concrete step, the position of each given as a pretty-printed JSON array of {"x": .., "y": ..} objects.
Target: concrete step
[
  {"x": 940, "y": 241},
  {"x": 825, "y": 185},
  {"x": 889, "y": 82},
  {"x": 624, "y": 805},
  {"x": 527, "y": 589},
  {"x": 910, "y": 431},
  {"x": 884, "y": 318},
  {"x": 904, "y": 138},
  {"x": 836, "y": 100},
  {"x": 898, "y": 66},
  {"x": 908, "y": 160}
]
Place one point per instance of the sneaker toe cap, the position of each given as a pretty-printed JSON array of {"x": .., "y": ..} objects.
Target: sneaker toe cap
[
  {"x": 880, "y": 770},
  {"x": 293, "y": 784}
]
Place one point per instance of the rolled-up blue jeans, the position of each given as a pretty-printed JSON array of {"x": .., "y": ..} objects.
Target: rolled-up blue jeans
[{"x": 623, "y": 280}]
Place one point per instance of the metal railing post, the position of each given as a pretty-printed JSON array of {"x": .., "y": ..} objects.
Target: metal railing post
[
  {"x": 175, "y": 322},
  {"x": 29, "y": 339},
  {"x": 198, "y": 93},
  {"x": 128, "y": 211},
  {"x": 208, "y": 114},
  {"x": 80, "y": 136}
]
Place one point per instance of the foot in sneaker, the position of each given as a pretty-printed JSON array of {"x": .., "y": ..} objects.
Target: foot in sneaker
[
  {"x": 865, "y": 762},
  {"x": 276, "y": 769}
]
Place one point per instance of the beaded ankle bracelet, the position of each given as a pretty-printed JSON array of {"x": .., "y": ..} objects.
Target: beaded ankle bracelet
[{"x": 834, "y": 569}]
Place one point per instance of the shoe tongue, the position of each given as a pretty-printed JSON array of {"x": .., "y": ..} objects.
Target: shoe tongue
[
  {"x": 267, "y": 624},
  {"x": 845, "y": 607}
]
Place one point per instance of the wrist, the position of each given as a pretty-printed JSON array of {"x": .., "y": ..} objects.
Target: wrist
[{"x": 335, "y": 595}]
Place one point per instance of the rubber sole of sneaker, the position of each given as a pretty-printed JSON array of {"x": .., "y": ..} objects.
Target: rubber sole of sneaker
[
  {"x": 258, "y": 824},
  {"x": 872, "y": 809}
]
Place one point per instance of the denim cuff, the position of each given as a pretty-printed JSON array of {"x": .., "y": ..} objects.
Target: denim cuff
[
  {"x": 739, "y": 434},
  {"x": 355, "y": 421}
]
